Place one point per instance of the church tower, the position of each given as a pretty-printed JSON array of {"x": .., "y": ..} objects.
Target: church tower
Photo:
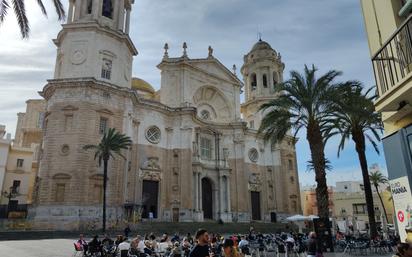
[
  {"x": 95, "y": 42},
  {"x": 262, "y": 71},
  {"x": 90, "y": 92}
]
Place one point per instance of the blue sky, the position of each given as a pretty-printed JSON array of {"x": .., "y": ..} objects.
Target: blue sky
[{"x": 329, "y": 34}]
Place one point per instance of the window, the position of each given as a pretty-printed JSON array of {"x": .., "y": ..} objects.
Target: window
[
  {"x": 253, "y": 155},
  {"x": 40, "y": 120},
  {"x": 205, "y": 115},
  {"x": 275, "y": 79},
  {"x": 290, "y": 164},
  {"x": 60, "y": 192},
  {"x": 89, "y": 6},
  {"x": 265, "y": 80},
  {"x": 107, "y": 10},
  {"x": 294, "y": 206},
  {"x": 106, "y": 69},
  {"x": 205, "y": 148},
  {"x": 252, "y": 124},
  {"x": 103, "y": 125},
  {"x": 16, "y": 187},
  {"x": 68, "y": 122},
  {"x": 153, "y": 135},
  {"x": 359, "y": 208},
  {"x": 20, "y": 163},
  {"x": 292, "y": 179},
  {"x": 253, "y": 81}
]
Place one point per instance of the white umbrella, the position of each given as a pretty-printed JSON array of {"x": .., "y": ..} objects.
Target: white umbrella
[
  {"x": 297, "y": 218},
  {"x": 312, "y": 217}
]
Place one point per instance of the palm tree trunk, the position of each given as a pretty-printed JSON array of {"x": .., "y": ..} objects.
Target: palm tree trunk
[
  {"x": 359, "y": 140},
  {"x": 316, "y": 145},
  {"x": 383, "y": 206},
  {"x": 105, "y": 161}
]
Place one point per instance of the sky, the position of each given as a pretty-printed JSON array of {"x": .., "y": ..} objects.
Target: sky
[{"x": 329, "y": 34}]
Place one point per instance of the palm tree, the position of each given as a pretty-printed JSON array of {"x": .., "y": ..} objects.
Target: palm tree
[
  {"x": 377, "y": 178},
  {"x": 20, "y": 12},
  {"x": 304, "y": 101},
  {"x": 111, "y": 143},
  {"x": 355, "y": 118}
]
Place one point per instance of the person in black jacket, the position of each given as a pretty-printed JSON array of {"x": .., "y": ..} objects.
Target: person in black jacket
[{"x": 313, "y": 245}]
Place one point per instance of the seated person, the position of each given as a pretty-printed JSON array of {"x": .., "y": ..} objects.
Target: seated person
[{"x": 95, "y": 245}]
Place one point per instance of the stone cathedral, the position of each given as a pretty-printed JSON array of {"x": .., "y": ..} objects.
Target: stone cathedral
[{"x": 196, "y": 154}]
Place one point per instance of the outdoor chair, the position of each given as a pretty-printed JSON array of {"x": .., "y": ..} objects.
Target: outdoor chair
[{"x": 78, "y": 250}]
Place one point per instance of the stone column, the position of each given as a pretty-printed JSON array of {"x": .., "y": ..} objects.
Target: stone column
[
  {"x": 127, "y": 29},
  {"x": 228, "y": 194},
  {"x": 70, "y": 14},
  {"x": 77, "y": 10},
  {"x": 115, "y": 15},
  {"x": 196, "y": 192},
  {"x": 96, "y": 9},
  {"x": 199, "y": 181},
  {"x": 221, "y": 193},
  {"x": 120, "y": 20}
]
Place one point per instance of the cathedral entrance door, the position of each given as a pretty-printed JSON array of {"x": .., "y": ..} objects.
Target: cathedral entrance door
[
  {"x": 255, "y": 197},
  {"x": 149, "y": 199},
  {"x": 175, "y": 214},
  {"x": 207, "y": 199}
]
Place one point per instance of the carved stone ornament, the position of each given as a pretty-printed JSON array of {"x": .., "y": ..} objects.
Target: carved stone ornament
[
  {"x": 78, "y": 57},
  {"x": 149, "y": 175},
  {"x": 152, "y": 163},
  {"x": 255, "y": 182}
]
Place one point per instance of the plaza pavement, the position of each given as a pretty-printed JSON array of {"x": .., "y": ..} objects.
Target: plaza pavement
[{"x": 64, "y": 248}]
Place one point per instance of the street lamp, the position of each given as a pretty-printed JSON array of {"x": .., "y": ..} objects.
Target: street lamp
[{"x": 9, "y": 195}]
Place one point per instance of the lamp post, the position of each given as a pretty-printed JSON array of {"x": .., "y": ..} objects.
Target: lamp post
[{"x": 9, "y": 195}]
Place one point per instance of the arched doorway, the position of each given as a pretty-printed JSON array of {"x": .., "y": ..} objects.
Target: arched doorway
[{"x": 207, "y": 199}]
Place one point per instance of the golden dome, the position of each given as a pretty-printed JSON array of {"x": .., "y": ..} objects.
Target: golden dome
[{"x": 141, "y": 85}]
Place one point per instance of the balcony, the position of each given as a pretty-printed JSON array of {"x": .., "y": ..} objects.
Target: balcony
[{"x": 392, "y": 66}]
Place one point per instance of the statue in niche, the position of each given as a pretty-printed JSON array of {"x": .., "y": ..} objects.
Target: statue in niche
[{"x": 107, "y": 8}]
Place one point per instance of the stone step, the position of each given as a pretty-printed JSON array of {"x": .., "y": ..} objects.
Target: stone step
[{"x": 157, "y": 228}]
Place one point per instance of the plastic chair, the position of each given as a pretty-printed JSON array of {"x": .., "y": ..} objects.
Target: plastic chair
[{"x": 78, "y": 249}]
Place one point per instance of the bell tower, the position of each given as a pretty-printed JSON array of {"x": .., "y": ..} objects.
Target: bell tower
[
  {"x": 262, "y": 71},
  {"x": 87, "y": 96},
  {"x": 95, "y": 42}
]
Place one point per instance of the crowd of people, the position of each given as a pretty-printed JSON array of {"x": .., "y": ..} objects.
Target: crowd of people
[{"x": 204, "y": 244}]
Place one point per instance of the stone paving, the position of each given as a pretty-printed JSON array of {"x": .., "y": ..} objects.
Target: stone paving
[{"x": 64, "y": 248}]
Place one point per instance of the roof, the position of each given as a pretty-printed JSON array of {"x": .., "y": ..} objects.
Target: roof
[
  {"x": 261, "y": 45},
  {"x": 141, "y": 85}
]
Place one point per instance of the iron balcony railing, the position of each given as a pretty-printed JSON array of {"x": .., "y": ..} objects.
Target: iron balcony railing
[{"x": 393, "y": 61}]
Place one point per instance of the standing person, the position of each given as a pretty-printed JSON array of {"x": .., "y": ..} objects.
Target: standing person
[
  {"x": 202, "y": 247},
  {"x": 229, "y": 249},
  {"x": 313, "y": 245},
  {"x": 127, "y": 231}
]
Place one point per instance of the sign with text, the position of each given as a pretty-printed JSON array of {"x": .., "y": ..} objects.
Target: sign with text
[{"x": 402, "y": 198}]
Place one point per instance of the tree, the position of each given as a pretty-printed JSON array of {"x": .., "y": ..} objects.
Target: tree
[
  {"x": 21, "y": 16},
  {"x": 355, "y": 117},
  {"x": 377, "y": 178},
  {"x": 112, "y": 143},
  {"x": 304, "y": 101}
]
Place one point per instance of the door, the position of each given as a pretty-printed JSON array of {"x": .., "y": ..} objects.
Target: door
[
  {"x": 255, "y": 197},
  {"x": 207, "y": 199},
  {"x": 149, "y": 198},
  {"x": 175, "y": 214}
]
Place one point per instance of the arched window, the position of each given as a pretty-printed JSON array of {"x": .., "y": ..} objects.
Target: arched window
[
  {"x": 275, "y": 79},
  {"x": 107, "y": 9},
  {"x": 253, "y": 81},
  {"x": 265, "y": 81}
]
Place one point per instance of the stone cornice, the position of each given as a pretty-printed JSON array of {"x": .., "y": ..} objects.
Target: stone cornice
[{"x": 94, "y": 26}]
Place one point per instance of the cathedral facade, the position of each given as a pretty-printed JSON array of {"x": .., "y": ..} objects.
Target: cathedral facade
[{"x": 196, "y": 154}]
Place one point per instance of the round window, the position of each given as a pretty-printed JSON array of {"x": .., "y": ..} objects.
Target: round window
[
  {"x": 153, "y": 135},
  {"x": 205, "y": 115},
  {"x": 253, "y": 155}
]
